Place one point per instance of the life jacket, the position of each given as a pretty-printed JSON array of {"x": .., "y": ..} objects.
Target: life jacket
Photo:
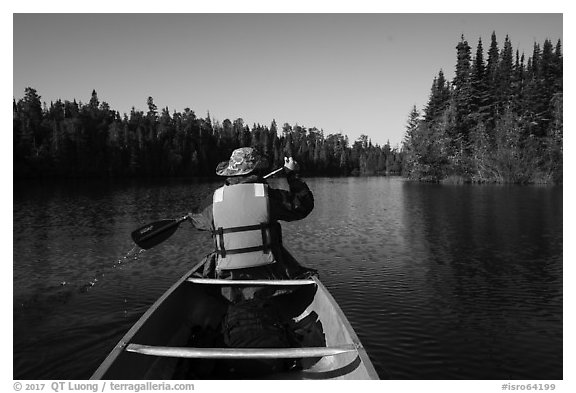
[{"x": 242, "y": 235}]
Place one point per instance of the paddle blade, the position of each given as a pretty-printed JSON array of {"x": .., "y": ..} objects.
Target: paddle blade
[{"x": 150, "y": 235}]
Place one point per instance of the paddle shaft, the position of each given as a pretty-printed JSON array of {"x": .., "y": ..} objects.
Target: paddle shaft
[{"x": 273, "y": 173}]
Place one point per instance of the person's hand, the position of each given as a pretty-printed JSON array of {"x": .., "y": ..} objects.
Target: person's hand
[{"x": 290, "y": 164}]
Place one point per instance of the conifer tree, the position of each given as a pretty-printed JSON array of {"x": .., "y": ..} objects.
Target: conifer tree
[
  {"x": 152, "y": 110},
  {"x": 94, "y": 102},
  {"x": 548, "y": 81},
  {"x": 463, "y": 97},
  {"x": 439, "y": 96},
  {"x": 493, "y": 57},
  {"x": 477, "y": 86},
  {"x": 30, "y": 114},
  {"x": 492, "y": 81},
  {"x": 410, "y": 142},
  {"x": 558, "y": 66},
  {"x": 518, "y": 83},
  {"x": 504, "y": 77},
  {"x": 535, "y": 103}
]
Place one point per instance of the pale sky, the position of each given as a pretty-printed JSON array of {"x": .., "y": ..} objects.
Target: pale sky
[{"x": 350, "y": 73}]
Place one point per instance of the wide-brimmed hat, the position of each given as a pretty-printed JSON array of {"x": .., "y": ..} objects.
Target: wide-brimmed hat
[{"x": 242, "y": 162}]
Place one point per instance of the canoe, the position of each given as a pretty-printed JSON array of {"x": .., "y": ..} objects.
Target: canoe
[{"x": 174, "y": 338}]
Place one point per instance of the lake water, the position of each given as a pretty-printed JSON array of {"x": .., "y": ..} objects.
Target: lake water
[{"x": 439, "y": 282}]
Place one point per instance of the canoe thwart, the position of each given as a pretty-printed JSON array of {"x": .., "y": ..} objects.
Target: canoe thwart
[
  {"x": 212, "y": 281},
  {"x": 240, "y": 353}
]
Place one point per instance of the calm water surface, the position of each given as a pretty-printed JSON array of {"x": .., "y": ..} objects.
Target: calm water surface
[{"x": 439, "y": 282}]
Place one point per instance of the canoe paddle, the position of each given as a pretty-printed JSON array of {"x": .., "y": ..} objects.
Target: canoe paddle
[{"x": 155, "y": 233}]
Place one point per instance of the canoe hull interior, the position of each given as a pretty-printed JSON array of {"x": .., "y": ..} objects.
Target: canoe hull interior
[{"x": 190, "y": 315}]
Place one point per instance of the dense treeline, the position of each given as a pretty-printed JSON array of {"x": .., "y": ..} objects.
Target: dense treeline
[
  {"x": 70, "y": 139},
  {"x": 498, "y": 120}
]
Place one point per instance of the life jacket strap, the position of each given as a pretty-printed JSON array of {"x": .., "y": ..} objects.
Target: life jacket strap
[
  {"x": 266, "y": 241},
  {"x": 224, "y": 252},
  {"x": 243, "y": 228}
]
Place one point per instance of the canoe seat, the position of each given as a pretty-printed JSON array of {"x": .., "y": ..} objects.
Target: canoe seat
[
  {"x": 240, "y": 353},
  {"x": 212, "y": 281}
]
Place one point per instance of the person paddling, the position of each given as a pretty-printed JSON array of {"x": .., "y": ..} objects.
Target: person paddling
[{"x": 243, "y": 216}]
